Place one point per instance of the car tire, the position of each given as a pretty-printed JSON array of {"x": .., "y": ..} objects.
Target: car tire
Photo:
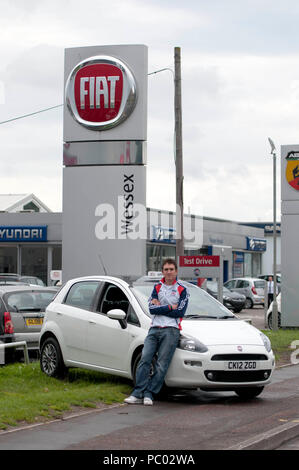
[
  {"x": 51, "y": 360},
  {"x": 270, "y": 320},
  {"x": 248, "y": 303},
  {"x": 237, "y": 310},
  {"x": 164, "y": 390},
  {"x": 249, "y": 392},
  {"x": 135, "y": 366}
]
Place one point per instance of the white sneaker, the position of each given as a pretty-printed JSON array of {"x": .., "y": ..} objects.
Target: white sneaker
[
  {"x": 131, "y": 400},
  {"x": 148, "y": 401}
]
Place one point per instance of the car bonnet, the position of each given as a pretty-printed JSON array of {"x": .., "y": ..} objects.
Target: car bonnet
[{"x": 222, "y": 332}]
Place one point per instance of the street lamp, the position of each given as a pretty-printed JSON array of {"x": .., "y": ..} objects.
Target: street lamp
[{"x": 274, "y": 307}]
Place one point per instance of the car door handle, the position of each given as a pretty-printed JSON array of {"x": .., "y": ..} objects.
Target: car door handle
[
  {"x": 92, "y": 322},
  {"x": 59, "y": 313}
]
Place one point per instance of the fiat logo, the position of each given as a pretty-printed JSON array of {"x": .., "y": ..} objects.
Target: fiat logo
[
  {"x": 239, "y": 348},
  {"x": 101, "y": 92}
]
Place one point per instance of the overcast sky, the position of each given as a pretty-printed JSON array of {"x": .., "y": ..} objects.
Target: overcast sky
[{"x": 240, "y": 84}]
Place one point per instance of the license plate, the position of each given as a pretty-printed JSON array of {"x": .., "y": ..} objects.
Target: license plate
[
  {"x": 241, "y": 365},
  {"x": 34, "y": 321}
]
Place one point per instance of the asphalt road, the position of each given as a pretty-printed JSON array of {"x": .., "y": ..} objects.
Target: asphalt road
[
  {"x": 186, "y": 421},
  {"x": 189, "y": 421},
  {"x": 256, "y": 315}
]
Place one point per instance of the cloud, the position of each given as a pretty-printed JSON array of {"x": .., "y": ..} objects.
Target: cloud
[{"x": 240, "y": 85}]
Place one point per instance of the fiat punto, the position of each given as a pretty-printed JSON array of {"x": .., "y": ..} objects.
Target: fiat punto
[{"x": 100, "y": 323}]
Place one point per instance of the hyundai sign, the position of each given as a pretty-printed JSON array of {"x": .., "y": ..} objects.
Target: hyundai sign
[{"x": 23, "y": 234}]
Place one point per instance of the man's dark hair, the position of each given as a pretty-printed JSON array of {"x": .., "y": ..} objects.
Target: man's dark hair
[{"x": 170, "y": 261}]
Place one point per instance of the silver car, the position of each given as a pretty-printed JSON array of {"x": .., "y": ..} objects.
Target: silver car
[
  {"x": 251, "y": 287},
  {"x": 26, "y": 305}
]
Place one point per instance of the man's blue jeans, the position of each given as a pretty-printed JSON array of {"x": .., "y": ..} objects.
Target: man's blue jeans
[{"x": 160, "y": 341}]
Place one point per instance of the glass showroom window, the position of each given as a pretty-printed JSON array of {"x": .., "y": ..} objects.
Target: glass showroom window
[
  {"x": 8, "y": 259},
  {"x": 35, "y": 261}
]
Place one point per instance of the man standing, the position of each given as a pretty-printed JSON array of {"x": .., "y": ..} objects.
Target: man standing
[
  {"x": 271, "y": 290},
  {"x": 167, "y": 305}
]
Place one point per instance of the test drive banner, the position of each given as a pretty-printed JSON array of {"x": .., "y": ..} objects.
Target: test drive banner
[{"x": 191, "y": 267}]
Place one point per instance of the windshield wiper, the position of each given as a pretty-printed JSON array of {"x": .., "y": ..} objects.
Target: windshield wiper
[
  {"x": 200, "y": 316},
  {"x": 225, "y": 317}
]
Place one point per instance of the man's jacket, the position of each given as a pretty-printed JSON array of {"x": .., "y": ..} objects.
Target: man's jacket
[{"x": 164, "y": 315}]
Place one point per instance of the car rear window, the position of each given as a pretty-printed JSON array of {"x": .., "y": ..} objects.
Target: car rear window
[
  {"x": 259, "y": 284},
  {"x": 28, "y": 300}
]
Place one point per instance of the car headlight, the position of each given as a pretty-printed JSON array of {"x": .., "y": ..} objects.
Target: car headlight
[
  {"x": 266, "y": 341},
  {"x": 226, "y": 298},
  {"x": 188, "y": 343}
]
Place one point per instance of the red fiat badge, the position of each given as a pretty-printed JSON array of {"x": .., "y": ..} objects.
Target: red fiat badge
[{"x": 101, "y": 92}]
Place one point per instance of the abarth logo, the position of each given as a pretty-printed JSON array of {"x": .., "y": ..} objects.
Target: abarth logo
[
  {"x": 101, "y": 92},
  {"x": 292, "y": 169}
]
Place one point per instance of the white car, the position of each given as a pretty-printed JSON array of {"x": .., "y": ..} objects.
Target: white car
[{"x": 100, "y": 323}]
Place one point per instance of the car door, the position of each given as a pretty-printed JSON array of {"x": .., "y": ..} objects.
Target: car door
[
  {"x": 243, "y": 287},
  {"x": 108, "y": 342},
  {"x": 72, "y": 318},
  {"x": 230, "y": 284}
]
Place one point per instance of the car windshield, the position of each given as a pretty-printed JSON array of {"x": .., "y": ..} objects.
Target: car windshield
[
  {"x": 28, "y": 300},
  {"x": 201, "y": 305},
  {"x": 213, "y": 286}
]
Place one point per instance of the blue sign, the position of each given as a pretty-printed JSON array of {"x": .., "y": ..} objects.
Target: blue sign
[
  {"x": 23, "y": 234},
  {"x": 256, "y": 244},
  {"x": 238, "y": 257},
  {"x": 163, "y": 234}
]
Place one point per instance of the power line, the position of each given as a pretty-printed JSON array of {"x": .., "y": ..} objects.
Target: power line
[
  {"x": 31, "y": 114},
  {"x": 59, "y": 105}
]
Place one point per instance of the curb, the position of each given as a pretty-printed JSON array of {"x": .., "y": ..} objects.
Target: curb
[
  {"x": 62, "y": 418},
  {"x": 272, "y": 439}
]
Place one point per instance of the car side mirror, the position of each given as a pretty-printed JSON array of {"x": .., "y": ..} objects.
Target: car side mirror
[{"x": 118, "y": 314}]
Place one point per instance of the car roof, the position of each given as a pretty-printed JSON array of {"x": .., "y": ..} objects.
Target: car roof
[
  {"x": 125, "y": 281},
  {"x": 245, "y": 279},
  {"x": 24, "y": 287}
]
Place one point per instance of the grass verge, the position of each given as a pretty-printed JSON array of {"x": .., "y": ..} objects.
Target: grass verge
[
  {"x": 281, "y": 341},
  {"x": 28, "y": 395}
]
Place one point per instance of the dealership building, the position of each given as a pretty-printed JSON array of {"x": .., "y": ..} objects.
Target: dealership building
[{"x": 31, "y": 239}]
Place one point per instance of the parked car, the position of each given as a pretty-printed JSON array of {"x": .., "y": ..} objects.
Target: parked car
[
  {"x": 25, "y": 305},
  {"x": 270, "y": 310},
  {"x": 231, "y": 300},
  {"x": 6, "y": 334},
  {"x": 251, "y": 287},
  {"x": 13, "y": 277},
  {"x": 33, "y": 280},
  {"x": 267, "y": 276},
  {"x": 100, "y": 323}
]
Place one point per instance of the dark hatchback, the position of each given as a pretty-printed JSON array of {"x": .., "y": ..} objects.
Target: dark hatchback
[{"x": 231, "y": 300}]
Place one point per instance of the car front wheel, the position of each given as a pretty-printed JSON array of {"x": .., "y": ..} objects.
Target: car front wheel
[
  {"x": 51, "y": 361},
  {"x": 270, "y": 321},
  {"x": 249, "y": 392},
  {"x": 248, "y": 303}
]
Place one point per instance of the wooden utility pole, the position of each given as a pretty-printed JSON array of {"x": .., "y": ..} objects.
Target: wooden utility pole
[{"x": 178, "y": 153}]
